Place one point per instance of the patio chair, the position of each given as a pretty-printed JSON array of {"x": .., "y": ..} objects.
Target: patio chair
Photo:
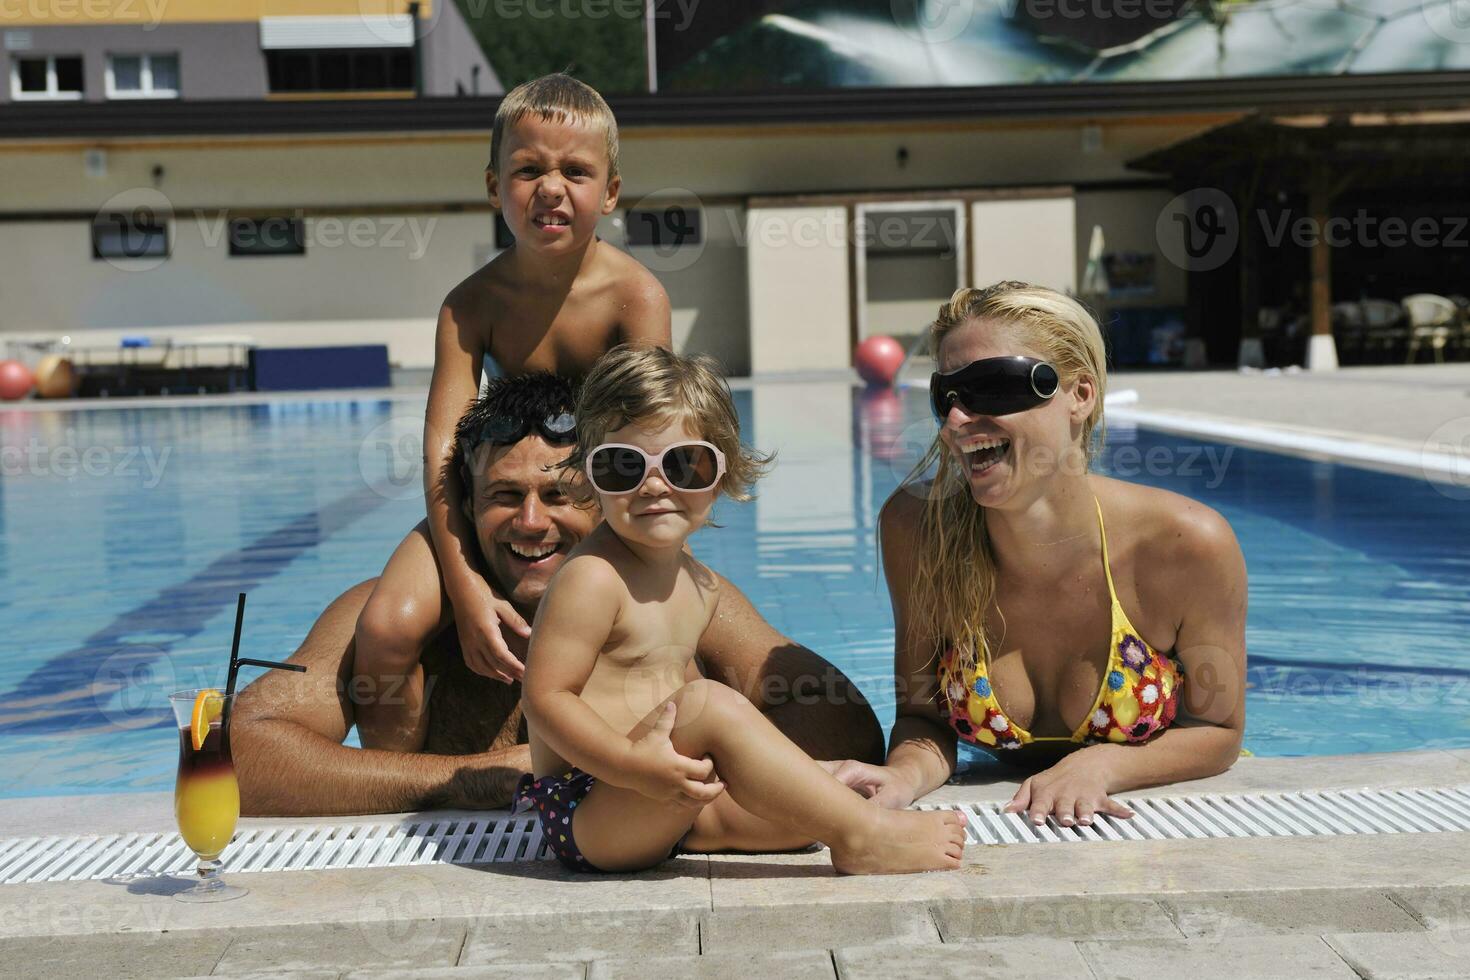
[
  {"x": 1347, "y": 325},
  {"x": 1431, "y": 320},
  {"x": 1461, "y": 344},
  {"x": 1384, "y": 325}
]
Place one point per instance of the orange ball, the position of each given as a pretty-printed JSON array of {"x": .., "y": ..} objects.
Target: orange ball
[
  {"x": 16, "y": 381},
  {"x": 55, "y": 377}
]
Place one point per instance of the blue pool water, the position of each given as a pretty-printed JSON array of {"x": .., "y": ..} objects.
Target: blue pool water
[{"x": 125, "y": 534}]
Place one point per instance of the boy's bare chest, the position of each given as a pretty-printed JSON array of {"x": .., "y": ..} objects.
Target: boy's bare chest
[{"x": 568, "y": 339}]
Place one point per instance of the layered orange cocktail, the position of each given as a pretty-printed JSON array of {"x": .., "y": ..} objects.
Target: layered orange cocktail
[{"x": 206, "y": 795}]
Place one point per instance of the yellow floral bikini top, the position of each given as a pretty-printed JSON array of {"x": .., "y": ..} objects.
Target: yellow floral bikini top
[{"x": 1139, "y": 695}]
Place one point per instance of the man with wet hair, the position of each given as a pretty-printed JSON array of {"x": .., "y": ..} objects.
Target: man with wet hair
[{"x": 457, "y": 736}]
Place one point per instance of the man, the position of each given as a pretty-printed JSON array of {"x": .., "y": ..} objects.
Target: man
[{"x": 465, "y": 742}]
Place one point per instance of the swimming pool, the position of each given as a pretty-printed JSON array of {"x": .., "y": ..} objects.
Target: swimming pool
[{"x": 125, "y": 534}]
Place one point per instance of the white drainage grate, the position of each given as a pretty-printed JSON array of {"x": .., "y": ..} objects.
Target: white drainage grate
[
  {"x": 498, "y": 838},
  {"x": 1365, "y": 811},
  {"x": 283, "y": 848}
]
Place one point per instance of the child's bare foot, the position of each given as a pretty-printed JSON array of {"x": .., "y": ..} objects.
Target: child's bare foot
[{"x": 903, "y": 841}]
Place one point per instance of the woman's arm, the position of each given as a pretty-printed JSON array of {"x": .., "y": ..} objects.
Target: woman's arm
[
  {"x": 921, "y": 754},
  {"x": 1211, "y": 647},
  {"x": 1207, "y": 568}
]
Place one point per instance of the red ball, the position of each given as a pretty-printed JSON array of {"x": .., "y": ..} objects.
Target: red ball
[
  {"x": 16, "y": 381},
  {"x": 878, "y": 359}
]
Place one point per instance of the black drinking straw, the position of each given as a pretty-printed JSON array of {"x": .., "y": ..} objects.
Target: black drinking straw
[{"x": 237, "y": 661}]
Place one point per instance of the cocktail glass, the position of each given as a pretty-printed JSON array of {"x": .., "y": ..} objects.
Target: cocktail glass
[{"x": 206, "y": 796}]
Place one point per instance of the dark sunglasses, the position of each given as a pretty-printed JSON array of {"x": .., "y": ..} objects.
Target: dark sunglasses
[
  {"x": 617, "y": 468},
  {"x": 994, "y": 386},
  {"x": 559, "y": 430}
]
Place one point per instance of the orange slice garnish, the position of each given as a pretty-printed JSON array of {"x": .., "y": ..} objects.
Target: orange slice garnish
[{"x": 209, "y": 704}]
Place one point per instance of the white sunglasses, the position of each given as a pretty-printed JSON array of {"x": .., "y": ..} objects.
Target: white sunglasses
[{"x": 618, "y": 468}]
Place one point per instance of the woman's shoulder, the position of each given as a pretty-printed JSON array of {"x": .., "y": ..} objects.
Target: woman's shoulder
[
  {"x": 904, "y": 507},
  {"x": 898, "y": 526},
  {"x": 1166, "y": 528}
]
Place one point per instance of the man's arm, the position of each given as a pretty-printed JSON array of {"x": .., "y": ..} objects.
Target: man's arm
[
  {"x": 810, "y": 700},
  {"x": 287, "y": 731}
]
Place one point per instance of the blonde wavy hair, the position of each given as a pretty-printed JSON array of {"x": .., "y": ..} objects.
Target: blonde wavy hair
[
  {"x": 956, "y": 579},
  {"x": 654, "y": 387},
  {"x": 560, "y": 98}
]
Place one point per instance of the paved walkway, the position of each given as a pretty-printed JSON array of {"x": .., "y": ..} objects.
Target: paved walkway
[{"x": 1391, "y": 905}]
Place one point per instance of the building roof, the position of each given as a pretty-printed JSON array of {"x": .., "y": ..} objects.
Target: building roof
[
  {"x": 1366, "y": 149},
  {"x": 1407, "y": 92}
]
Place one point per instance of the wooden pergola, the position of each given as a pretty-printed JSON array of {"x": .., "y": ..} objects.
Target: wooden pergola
[{"x": 1319, "y": 156}]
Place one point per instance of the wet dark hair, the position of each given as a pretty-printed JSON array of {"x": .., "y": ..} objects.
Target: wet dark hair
[{"x": 526, "y": 398}]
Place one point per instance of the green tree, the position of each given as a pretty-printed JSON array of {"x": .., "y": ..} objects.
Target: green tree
[{"x": 600, "y": 42}]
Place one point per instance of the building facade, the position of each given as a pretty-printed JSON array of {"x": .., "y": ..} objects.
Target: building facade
[
  {"x": 116, "y": 50},
  {"x": 785, "y": 228}
]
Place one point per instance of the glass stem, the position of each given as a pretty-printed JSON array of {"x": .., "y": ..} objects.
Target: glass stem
[{"x": 209, "y": 879}]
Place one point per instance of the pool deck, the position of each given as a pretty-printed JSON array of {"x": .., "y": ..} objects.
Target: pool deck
[{"x": 1393, "y": 905}]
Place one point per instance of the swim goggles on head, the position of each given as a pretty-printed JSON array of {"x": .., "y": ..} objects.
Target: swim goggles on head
[
  {"x": 503, "y": 430},
  {"x": 994, "y": 386},
  {"x": 617, "y": 468}
]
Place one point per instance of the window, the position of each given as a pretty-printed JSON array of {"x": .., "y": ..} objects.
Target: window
[
  {"x": 139, "y": 235},
  {"x": 663, "y": 227},
  {"x": 143, "y": 76},
  {"x": 267, "y": 236},
  {"x": 340, "y": 70},
  {"x": 46, "y": 77}
]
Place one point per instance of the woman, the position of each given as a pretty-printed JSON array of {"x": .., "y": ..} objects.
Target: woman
[{"x": 1043, "y": 613}]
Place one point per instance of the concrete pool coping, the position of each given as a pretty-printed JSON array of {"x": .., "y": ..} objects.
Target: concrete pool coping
[
  {"x": 1331, "y": 906},
  {"x": 1069, "y": 869},
  {"x": 152, "y": 812}
]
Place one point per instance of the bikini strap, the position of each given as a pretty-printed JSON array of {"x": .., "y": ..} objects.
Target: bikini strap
[{"x": 1107, "y": 566}]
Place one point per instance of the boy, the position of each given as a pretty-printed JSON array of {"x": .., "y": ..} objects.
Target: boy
[
  {"x": 555, "y": 301},
  {"x": 624, "y": 746}
]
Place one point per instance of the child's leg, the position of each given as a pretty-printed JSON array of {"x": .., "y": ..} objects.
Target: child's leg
[
  {"x": 407, "y": 609},
  {"x": 725, "y": 825},
  {"x": 770, "y": 777}
]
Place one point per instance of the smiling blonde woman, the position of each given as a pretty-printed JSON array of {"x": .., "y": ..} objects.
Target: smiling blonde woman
[{"x": 1046, "y": 614}]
